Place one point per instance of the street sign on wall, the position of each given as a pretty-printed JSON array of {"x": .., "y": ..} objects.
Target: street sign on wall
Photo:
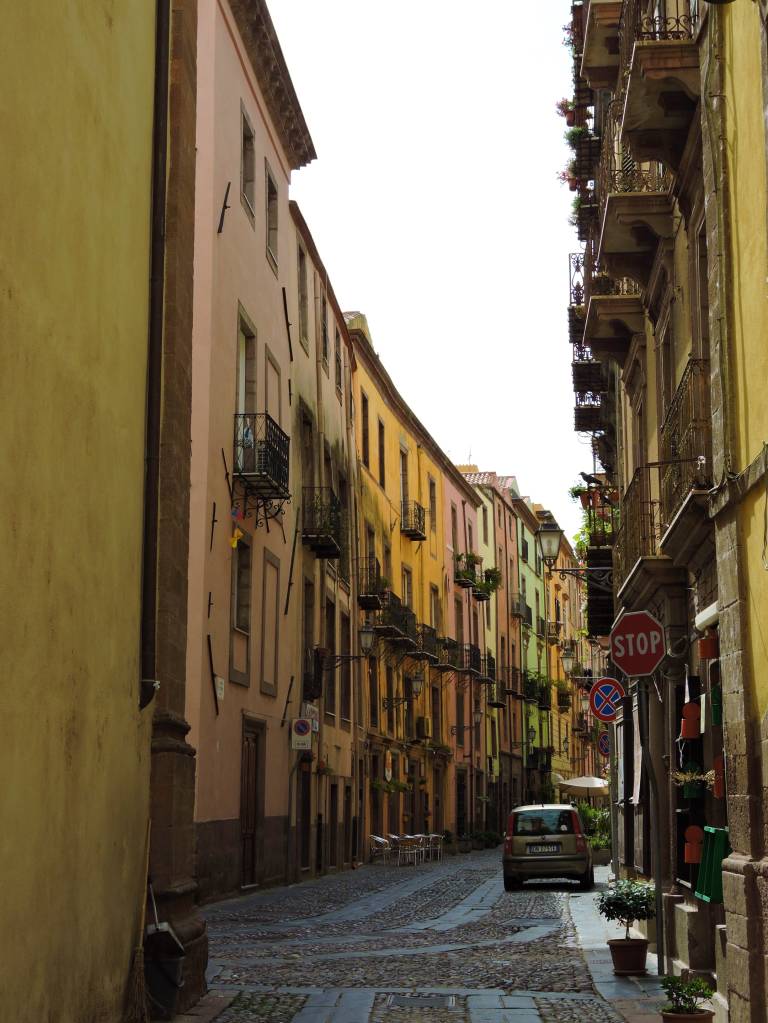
[
  {"x": 637, "y": 643},
  {"x": 301, "y": 733},
  {"x": 605, "y": 697}
]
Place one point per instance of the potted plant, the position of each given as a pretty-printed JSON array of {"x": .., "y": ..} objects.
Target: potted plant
[
  {"x": 626, "y": 902},
  {"x": 685, "y": 998}
]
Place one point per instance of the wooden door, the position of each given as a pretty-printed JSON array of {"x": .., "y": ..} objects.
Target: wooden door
[
  {"x": 333, "y": 827},
  {"x": 251, "y": 784}
]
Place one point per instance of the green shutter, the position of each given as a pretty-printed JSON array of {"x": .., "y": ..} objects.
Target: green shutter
[{"x": 709, "y": 887}]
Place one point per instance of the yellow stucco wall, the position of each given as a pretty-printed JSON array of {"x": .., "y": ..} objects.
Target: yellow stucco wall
[
  {"x": 747, "y": 194},
  {"x": 76, "y": 84}
]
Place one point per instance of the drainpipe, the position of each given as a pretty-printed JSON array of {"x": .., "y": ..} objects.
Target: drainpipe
[{"x": 148, "y": 681}]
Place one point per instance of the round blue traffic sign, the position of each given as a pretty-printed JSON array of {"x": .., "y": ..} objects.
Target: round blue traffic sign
[
  {"x": 604, "y": 698},
  {"x": 604, "y": 744},
  {"x": 302, "y": 726}
]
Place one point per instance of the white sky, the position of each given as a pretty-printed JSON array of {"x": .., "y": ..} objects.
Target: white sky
[{"x": 435, "y": 206}]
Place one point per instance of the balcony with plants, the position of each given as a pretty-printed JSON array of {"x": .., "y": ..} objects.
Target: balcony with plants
[
  {"x": 545, "y": 695},
  {"x": 563, "y": 696},
  {"x": 660, "y": 77},
  {"x": 466, "y": 570},
  {"x": 427, "y": 645},
  {"x": 487, "y": 584},
  {"x": 323, "y": 529},
  {"x": 530, "y": 687},
  {"x": 448, "y": 655}
]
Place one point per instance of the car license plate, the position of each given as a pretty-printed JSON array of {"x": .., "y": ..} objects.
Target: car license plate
[{"x": 554, "y": 847}]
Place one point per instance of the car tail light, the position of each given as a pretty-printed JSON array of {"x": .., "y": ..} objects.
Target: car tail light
[{"x": 581, "y": 842}]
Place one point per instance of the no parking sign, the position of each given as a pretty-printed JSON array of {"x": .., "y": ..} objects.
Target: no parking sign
[
  {"x": 604, "y": 698},
  {"x": 604, "y": 744}
]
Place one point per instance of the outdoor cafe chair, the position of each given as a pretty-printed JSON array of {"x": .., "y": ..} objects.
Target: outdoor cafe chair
[{"x": 380, "y": 848}]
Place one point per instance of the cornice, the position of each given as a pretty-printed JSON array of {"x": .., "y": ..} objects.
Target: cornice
[{"x": 266, "y": 57}]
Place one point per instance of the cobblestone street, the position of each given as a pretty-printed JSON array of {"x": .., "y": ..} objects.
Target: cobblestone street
[{"x": 437, "y": 942}]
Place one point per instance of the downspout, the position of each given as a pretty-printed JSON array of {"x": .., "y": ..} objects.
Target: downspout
[{"x": 148, "y": 682}]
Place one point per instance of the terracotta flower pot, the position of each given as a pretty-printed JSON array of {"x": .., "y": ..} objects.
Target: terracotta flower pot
[
  {"x": 573, "y": 184},
  {"x": 628, "y": 955},
  {"x": 688, "y": 1017},
  {"x": 570, "y": 118}
]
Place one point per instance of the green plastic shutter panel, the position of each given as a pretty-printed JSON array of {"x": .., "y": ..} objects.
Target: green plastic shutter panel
[{"x": 709, "y": 887}]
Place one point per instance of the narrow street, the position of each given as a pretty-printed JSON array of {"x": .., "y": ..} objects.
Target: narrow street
[{"x": 439, "y": 942}]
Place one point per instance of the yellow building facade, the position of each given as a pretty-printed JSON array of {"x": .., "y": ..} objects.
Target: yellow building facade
[{"x": 76, "y": 187}]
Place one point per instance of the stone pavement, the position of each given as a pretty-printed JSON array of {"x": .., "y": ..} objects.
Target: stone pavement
[{"x": 436, "y": 943}]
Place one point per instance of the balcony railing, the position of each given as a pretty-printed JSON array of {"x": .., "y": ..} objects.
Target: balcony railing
[
  {"x": 512, "y": 680},
  {"x": 322, "y": 522},
  {"x": 530, "y": 688},
  {"x": 618, "y": 172},
  {"x": 427, "y": 644},
  {"x": 563, "y": 699},
  {"x": 588, "y": 413},
  {"x": 448, "y": 654},
  {"x": 642, "y": 524},
  {"x": 466, "y": 570},
  {"x": 541, "y": 627},
  {"x": 640, "y": 21},
  {"x": 496, "y": 695},
  {"x": 488, "y": 669},
  {"x": 261, "y": 455},
  {"x": 412, "y": 520},
  {"x": 471, "y": 661},
  {"x": 371, "y": 585},
  {"x": 407, "y": 626},
  {"x": 528, "y": 616},
  {"x": 553, "y": 631},
  {"x": 686, "y": 439},
  {"x": 545, "y": 697},
  {"x": 581, "y": 725},
  {"x": 516, "y": 606}
]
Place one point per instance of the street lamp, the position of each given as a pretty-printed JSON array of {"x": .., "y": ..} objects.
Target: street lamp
[
  {"x": 417, "y": 684},
  {"x": 477, "y": 717},
  {"x": 550, "y": 539},
  {"x": 568, "y": 658},
  {"x": 366, "y": 635},
  {"x": 550, "y": 536}
]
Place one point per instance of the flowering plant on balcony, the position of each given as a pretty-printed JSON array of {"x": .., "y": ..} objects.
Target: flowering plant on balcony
[{"x": 574, "y": 135}]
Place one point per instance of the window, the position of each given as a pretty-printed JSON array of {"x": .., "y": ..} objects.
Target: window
[
  {"x": 470, "y": 538},
  {"x": 247, "y": 166},
  {"x": 366, "y": 437},
  {"x": 324, "y": 329},
  {"x": 436, "y": 715},
  {"x": 271, "y": 203},
  {"x": 242, "y": 613},
  {"x": 345, "y": 709},
  {"x": 390, "y": 698},
  {"x": 388, "y": 563},
  {"x": 432, "y": 506},
  {"x": 303, "y": 299},
  {"x": 330, "y": 645},
  {"x": 246, "y": 367},
  {"x": 382, "y": 455},
  {"x": 270, "y": 623},
  {"x": 373, "y": 691},
  {"x": 343, "y": 563},
  {"x": 407, "y": 587},
  {"x": 404, "y": 477},
  {"x": 454, "y": 530},
  {"x": 337, "y": 359},
  {"x": 459, "y": 620},
  {"x": 498, "y": 516},
  {"x": 459, "y": 717},
  {"x": 434, "y": 608},
  {"x": 485, "y": 525}
]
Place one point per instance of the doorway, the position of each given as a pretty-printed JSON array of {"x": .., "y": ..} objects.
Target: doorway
[{"x": 252, "y": 801}]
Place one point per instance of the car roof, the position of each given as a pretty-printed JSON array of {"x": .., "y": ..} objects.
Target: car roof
[{"x": 543, "y": 806}]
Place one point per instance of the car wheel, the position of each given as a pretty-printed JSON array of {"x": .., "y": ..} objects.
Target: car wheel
[
  {"x": 587, "y": 882},
  {"x": 512, "y": 884}
]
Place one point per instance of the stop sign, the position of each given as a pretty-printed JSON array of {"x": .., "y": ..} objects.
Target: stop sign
[{"x": 637, "y": 643}]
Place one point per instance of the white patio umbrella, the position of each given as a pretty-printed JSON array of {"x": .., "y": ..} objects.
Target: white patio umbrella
[{"x": 597, "y": 786}]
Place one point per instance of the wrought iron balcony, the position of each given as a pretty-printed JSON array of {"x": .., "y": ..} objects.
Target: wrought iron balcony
[
  {"x": 541, "y": 627},
  {"x": 512, "y": 680},
  {"x": 388, "y": 619},
  {"x": 466, "y": 570},
  {"x": 660, "y": 78},
  {"x": 488, "y": 668},
  {"x": 322, "y": 523},
  {"x": 530, "y": 688},
  {"x": 516, "y": 606},
  {"x": 528, "y": 616},
  {"x": 413, "y": 520},
  {"x": 471, "y": 661},
  {"x": 563, "y": 699},
  {"x": 448, "y": 655},
  {"x": 588, "y": 374},
  {"x": 545, "y": 697},
  {"x": 407, "y": 634},
  {"x": 581, "y": 725},
  {"x": 371, "y": 586},
  {"x": 686, "y": 439},
  {"x": 427, "y": 649},
  {"x": 588, "y": 413},
  {"x": 553, "y": 631},
  {"x": 496, "y": 695},
  {"x": 643, "y": 522},
  {"x": 261, "y": 455}
]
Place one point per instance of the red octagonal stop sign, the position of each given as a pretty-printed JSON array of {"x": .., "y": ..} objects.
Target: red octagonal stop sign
[{"x": 637, "y": 643}]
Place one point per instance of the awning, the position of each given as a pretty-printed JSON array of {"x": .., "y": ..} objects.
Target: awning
[{"x": 586, "y": 784}]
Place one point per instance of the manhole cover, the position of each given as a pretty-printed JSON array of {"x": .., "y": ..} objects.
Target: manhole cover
[{"x": 422, "y": 1001}]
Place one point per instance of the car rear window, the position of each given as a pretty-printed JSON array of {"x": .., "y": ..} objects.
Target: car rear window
[{"x": 543, "y": 822}]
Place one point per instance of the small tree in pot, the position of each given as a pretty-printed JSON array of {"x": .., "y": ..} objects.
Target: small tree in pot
[
  {"x": 626, "y": 902},
  {"x": 685, "y": 998}
]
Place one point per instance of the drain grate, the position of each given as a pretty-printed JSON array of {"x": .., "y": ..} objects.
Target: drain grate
[{"x": 422, "y": 1001}]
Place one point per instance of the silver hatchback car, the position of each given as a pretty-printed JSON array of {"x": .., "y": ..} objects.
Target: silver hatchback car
[{"x": 546, "y": 840}]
